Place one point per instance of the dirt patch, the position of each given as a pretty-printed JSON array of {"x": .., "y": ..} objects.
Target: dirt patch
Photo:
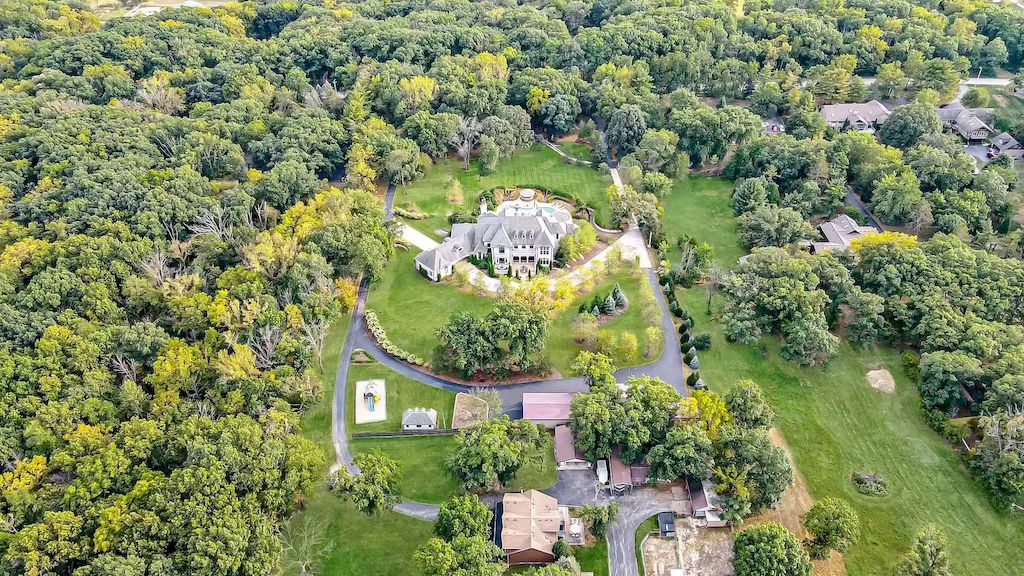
[
  {"x": 660, "y": 555},
  {"x": 796, "y": 501},
  {"x": 699, "y": 551},
  {"x": 469, "y": 410},
  {"x": 881, "y": 380}
]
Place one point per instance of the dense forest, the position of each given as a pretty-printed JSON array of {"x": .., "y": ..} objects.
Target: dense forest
[{"x": 189, "y": 201}]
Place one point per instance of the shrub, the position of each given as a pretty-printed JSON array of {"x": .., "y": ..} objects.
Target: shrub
[
  {"x": 377, "y": 331},
  {"x": 869, "y": 483},
  {"x": 561, "y": 549},
  {"x": 684, "y": 342},
  {"x": 688, "y": 322},
  {"x": 702, "y": 341},
  {"x": 687, "y": 358},
  {"x": 683, "y": 328},
  {"x": 677, "y": 311},
  {"x": 692, "y": 378},
  {"x": 911, "y": 364}
]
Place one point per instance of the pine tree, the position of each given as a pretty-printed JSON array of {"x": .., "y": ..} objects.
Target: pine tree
[{"x": 609, "y": 304}]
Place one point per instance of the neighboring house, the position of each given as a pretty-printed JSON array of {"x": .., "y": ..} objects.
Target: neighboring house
[
  {"x": 1006, "y": 144},
  {"x": 972, "y": 124},
  {"x": 518, "y": 236},
  {"x": 527, "y": 527},
  {"x": 567, "y": 456},
  {"x": 547, "y": 408},
  {"x": 839, "y": 232},
  {"x": 704, "y": 503},
  {"x": 419, "y": 419},
  {"x": 860, "y": 117},
  {"x": 625, "y": 476}
]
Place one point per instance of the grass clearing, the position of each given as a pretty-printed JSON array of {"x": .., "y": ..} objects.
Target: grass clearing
[
  {"x": 402, "y": 293},
  {"x": 701, "y": 207},
  {"x": 836, "y": 424},
  {"x": 593, "y": 558},
  {"x": 536, "y": 166},
  {"x": 425, "y": 478},
  {"x": 402, "y": 393},
  {"x": 362, "y": 544},
  {"x": 561, "y": 347},
  {"x": 411, "y": 308}
]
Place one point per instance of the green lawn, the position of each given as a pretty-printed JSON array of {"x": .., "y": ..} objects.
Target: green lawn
[
  {"x": 536, "y": 166},
  {"x": 835, "y": 424},
  {"x": 701, "y": 207},
  {"x": 425, "y": 478},
  {"x": 562, "y": 349},
  {"x": 402, "y": 393},
  {"x": 411, "y": 308},
  {"x": 645, "y": 527},
  {"x": 539, "y": 474},
  {"x": 593, "y": 558},
  {"x": 575, "y": 149},
  {"x": 367, "y": 545}
]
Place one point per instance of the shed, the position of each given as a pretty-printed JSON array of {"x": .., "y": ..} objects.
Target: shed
[
  {"x": 419, "y": 419},
  {"x": 547, "y": 408},
  {"x": 567, "y": 455},
  {"x": 667, "y": 524}
]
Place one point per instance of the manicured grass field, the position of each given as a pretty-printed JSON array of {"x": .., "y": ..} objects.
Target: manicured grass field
[
  {"x": 835, "y": 424},
  {"x": 367, "y": 545},
  {"x": 402, "y": 393},
  {"x": 536, "y": 166},
  {"x": 562, "y": 349},
  {"x": 425, "y": 478},
  {"x": 575, "y": 149},
  {"x": 701, "y": 207},
  {"x": 593, "y": 558},
  {"x": 411, "y": 308}
]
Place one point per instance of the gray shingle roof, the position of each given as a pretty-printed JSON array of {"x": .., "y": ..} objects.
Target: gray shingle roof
[{"x": 420, "y": 417}]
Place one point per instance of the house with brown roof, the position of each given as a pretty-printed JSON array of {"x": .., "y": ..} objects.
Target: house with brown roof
[
  {"x": 972, "y": 124},
  {"x": 529, "y": 527},
  {"x": 705, "y": 503},
  {"x": 625, "y": 476},
  {"x": 567, "y": 455},
  {"x": 1006, "y": 144},
  {"x": 839, "y": 233},
  {"x": 862, "y": 117},
  {"x": 548, "y": 408}
]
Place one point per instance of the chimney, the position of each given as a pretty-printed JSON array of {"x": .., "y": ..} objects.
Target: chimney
[{"x": 483, "y": 206}]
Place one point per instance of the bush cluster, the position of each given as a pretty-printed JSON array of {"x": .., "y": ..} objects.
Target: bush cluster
[
  {"x": 374, "y": 326},
  {"x": 869, "y": 483},
  {"x": 410, "y": 215}
]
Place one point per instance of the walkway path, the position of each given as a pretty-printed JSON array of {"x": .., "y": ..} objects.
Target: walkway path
[{"x": 562, "y": 153}]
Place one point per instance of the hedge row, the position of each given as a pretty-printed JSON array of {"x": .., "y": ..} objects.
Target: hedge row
[{"x": 375, "y": 328}]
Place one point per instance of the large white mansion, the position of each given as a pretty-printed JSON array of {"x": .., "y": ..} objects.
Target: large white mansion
[{"x": 519, "y": 235}]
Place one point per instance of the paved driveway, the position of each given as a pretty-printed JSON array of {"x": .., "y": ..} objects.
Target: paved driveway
[{"x": 633, "y": 510}]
